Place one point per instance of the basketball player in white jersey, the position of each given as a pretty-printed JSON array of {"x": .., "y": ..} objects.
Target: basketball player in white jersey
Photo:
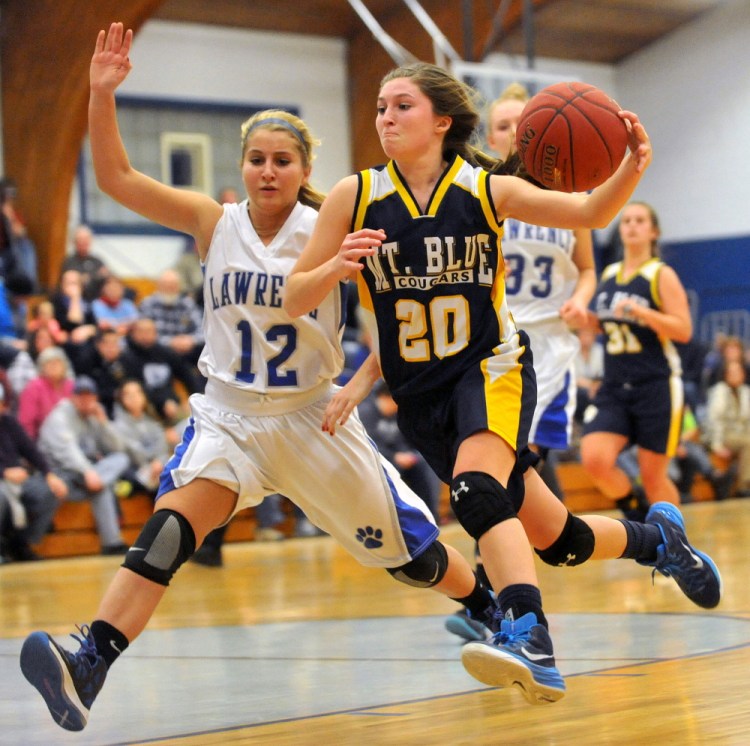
[{"x": 257, "y": 429}]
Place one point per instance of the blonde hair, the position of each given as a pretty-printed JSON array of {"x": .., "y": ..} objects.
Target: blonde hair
[
  {"x": 278, "y": 120},
  {"x": 512, "y": 92}
]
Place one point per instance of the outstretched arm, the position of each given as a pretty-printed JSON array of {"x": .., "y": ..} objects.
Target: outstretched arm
[
  {"x": 189, "y": 212},
  {"x": 355, "y": 391}
]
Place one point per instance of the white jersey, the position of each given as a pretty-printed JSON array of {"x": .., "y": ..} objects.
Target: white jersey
[
  {"x": 252, "y": 345},
  {"x": 540, "y": 274},
  {"x": 257, "y": 430},
  {"x": 540, "y": 277}
]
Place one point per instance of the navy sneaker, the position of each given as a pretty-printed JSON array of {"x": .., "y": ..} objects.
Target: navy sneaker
[
  {"x": 521, "y": 655},
  {"x": 68, "y": 682},
  {"x": 693, "y": 571},
  {"x": 465, "y": 626}
]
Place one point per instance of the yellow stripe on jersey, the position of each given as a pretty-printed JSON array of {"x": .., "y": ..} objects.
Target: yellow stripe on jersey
[
  {"x": 503, "y": 390},
  {"x": 404, "y": 193},
  {"x": 499, "y": 301},
  {"x": 675, "y": 419},
  {"x": 364, "y": 199},
  {"x": 651, "y": 271},
  {"x": 445, "y": 183}
]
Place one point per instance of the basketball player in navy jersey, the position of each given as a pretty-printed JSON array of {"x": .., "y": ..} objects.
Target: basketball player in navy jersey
[
  {"x": 549, "y": 281},
  {"x": 422, "y": 236},
  {"x": 269, "y": 381},
  {"x": 642, "y": 309}
]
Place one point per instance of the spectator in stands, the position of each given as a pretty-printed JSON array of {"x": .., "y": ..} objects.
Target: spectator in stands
[
  {"x": 100, "y": 357},
  {"x": 43, "y": 316},
  {"x": 83, "y": 448},
  {"x": 41, "y": 395},
  {"x": 692, "y": 458},
  {"x": 730, "y": 349},
  {"x": 189, "y": 270},
  {"x": 112, "y": 309},
  {"x": 19, "y": 370},
  {"x": 72, "y": 311},
  {"x": 144, "y": 437},
  {"x": 92, "y": 269},
  {"x": 379, "y": 413},
  {"x": 693, "y": 357},
  {"x": 13, "y": 233},
  {"x": 18, "y": 289},
  {"x": 29, "y": 491},
  {"x": 728, "y": 420},
  {"x": 178, "y": 319},
  {"x": 157, "y": 367},
  {"x": 228, "y": 195}
]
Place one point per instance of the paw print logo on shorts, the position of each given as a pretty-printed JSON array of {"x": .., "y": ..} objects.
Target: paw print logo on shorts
[{"x": 370, "y": 537}]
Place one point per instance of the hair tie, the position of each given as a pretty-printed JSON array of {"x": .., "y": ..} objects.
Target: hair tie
[{"x": 279, "y": 121}]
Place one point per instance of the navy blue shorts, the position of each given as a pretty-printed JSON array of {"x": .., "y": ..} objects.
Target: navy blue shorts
[
  {"x": 498, "y": 394},
  {"x": 648, "y": 414}
]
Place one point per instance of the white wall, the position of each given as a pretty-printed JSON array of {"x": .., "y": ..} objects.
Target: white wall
[{"x": 692, "y": 92}]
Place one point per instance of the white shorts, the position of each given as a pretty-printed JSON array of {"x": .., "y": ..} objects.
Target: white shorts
[
  {"x": 555, "y": 349},
  {"x": 341, "y": 482}
]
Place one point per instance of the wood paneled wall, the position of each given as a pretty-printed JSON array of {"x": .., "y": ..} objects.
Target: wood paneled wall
[{"x": 46, "y": 49}]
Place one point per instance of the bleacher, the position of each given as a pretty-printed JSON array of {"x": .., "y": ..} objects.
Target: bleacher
[{"x": 74, "y": 533}]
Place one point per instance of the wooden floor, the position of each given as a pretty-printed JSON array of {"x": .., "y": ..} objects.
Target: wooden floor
[{"x": 294, "y": 643}]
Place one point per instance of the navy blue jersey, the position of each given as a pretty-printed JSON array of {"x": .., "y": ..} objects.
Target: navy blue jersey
[
  {"x": 633, "y": 351},
  {"x": 436, "y": 288}
]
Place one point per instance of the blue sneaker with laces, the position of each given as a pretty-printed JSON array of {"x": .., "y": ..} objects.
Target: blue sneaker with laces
[
  {"x": 68, "y": 682},
  {"x": 693, "y": 571},
  {"x": 520, "y": 655},
  {"x": 472, "y": 629}
]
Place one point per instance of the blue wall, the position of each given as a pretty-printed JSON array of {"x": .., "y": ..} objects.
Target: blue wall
[{"x": 718, "y": 270}]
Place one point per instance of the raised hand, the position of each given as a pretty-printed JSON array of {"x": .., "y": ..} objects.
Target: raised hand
[
  {"x": 638, "y": 141},
  {"x": 110, "y": 64}
]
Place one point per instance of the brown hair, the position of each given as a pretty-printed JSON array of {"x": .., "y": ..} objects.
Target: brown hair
[
  {"x": 278, "y": 120},
  {"x": 452, "y": 98},
  {"x": 654, "y": 221}
]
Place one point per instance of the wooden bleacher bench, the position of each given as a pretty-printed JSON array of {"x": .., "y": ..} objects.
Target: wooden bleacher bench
[{"x": 74, "y": 532}]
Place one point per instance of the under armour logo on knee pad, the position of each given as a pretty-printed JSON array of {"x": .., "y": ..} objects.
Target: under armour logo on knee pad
[{"x": 461, "y": 488}]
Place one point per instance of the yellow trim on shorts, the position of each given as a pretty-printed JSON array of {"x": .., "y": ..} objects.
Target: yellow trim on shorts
[
  {"x": 677, "y": 395},
  {"x": 503, "y": 391}
]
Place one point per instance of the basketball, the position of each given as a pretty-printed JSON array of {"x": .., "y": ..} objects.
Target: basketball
[{"x": 570, "y": 138}]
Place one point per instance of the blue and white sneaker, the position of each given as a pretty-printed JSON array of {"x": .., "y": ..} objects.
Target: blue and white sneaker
[
  {"x": 68, "y": 682},
  {"x": 693, "y": 571},
  {"x": 465, "y": 626},
  {"x": 521, "y": 655}
]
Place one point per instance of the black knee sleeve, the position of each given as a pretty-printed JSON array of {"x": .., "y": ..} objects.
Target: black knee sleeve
[
  {"x": 165, "y": 542},
  {"x": 573, "y": 547},
  {"x": 424, "y": 571},
  {"x": 480, "y": 502}
]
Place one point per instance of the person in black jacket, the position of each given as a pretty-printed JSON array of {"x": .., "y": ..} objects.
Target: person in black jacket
[
  {"x": 29, "y": 491},
  {"x": 157, "y": 367}
]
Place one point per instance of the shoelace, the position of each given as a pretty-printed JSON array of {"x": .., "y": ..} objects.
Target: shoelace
[{"x": 88, "y": 650}]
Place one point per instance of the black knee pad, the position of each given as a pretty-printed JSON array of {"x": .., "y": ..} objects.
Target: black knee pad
[
  {"x": 480, "y": 502},
  {"x": 424, "y": 571},
  {"x": 165, "y": 542},
  {"x": 573, "y": 547}
]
